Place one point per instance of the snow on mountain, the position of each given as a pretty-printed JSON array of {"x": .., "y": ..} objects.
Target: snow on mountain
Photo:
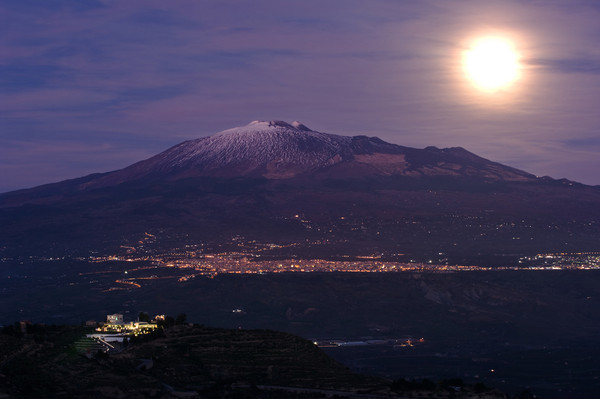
[
  {"x": 281, "y": 150},
  {"x": 261, "y": 143},
  {"x": 273, "y": 149}
]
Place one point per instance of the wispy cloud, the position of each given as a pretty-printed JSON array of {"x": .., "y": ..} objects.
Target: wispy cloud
[
  {"x": 573, "y": 65},
  {"x": 154, "y": 72}
]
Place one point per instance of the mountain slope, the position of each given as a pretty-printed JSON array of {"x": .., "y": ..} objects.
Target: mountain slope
[
  {"x": 278, "y": 150},
  {"x": 275, "y": 181}
]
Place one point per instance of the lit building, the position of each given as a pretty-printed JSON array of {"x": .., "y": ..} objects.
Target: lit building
[{"x": 116, "y": 318}]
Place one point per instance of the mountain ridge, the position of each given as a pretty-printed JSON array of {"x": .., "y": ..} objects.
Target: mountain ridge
[
  {"x": 281, "y": 150},
  {"x": 359, "y": 191},
  {"x": 278, "y": 150}
]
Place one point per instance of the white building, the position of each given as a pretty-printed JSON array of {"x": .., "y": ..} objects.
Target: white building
[{"x": 116, "y": 318}]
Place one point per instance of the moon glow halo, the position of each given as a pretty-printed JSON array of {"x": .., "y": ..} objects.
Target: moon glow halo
[{"x": 491, "y": 64}]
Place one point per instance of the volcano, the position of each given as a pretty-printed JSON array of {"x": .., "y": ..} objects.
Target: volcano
[
  {"x": 329, "y": 194},
  {"x": 278, "y": 150}
]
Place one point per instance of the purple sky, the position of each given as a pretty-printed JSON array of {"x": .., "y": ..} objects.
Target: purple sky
[{"x": 93, "y": 86}]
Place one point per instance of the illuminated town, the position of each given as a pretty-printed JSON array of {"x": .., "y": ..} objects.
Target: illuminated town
[
  {"x": 247, "y": 257},
  {"x": 140, "y": 263}
]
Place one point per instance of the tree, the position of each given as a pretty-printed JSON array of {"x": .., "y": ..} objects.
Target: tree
[
  {"x": 181, "y": 318},
  {"x": 144, "y": 317},
  {"x": 169, "y": 321},
  {"x": 9, "y": 330},
  {"x": 480, "y": 388}
]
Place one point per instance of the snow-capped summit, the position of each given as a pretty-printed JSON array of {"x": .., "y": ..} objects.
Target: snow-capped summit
[
  {"x": 280, "y": 150},
  {"x": 258, "y": 126},
  {"x": 274, "y": 149},
  {"x": 265, "y": 126},
  {"x": 300, "y": 126}
]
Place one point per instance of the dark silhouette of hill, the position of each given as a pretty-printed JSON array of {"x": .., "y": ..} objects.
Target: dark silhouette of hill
[{"x": 192, "y": 362}]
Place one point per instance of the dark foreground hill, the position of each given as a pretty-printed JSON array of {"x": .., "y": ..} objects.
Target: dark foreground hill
[
  {"x": 536, "y": 329},
  {"x": 194, "y": 362},
  {"x": 279, "y": 182}
]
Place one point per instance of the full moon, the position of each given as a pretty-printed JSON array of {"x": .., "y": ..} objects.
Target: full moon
[{"x": 491, "y": 64}]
